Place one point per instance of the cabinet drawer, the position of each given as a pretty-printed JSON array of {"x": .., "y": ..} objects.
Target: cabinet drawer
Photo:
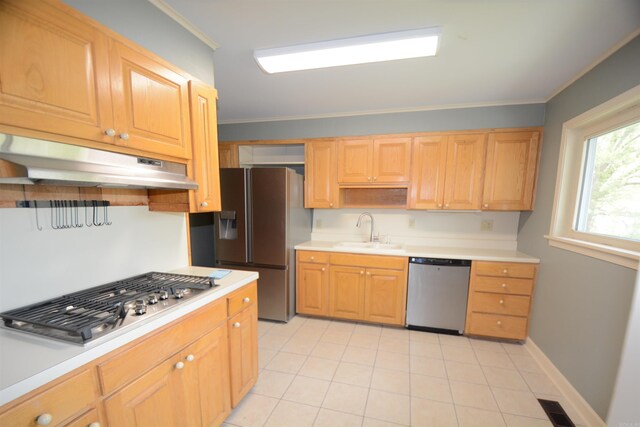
[
  {"x": 144, "y": 355},
  {"x": 369, "y": 261},
  {"x": 63, "y": 401},
  {"x": 505, "y": 269},
  {"x": 317, "y": 257},
  {"x": 503, "y": 285},
  {"x": 242, "y": 298},
  {"x": 500, "y": 303},
  {"x": 495, "y": 325}
]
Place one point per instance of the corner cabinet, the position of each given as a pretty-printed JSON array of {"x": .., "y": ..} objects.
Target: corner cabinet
[
  {"x": 321, "y": 189},
  {"x": 511, "y": 171},
  {"x": 204, "y": 165},
  {"x": 500, "y": 295},
  {"x": 369, "y": 288}
]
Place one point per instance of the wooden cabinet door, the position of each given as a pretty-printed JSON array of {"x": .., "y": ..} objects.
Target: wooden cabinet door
[
  {"x": 428, "y": 174},
  {"x": 154, "y": 399},
  {"x": 54, "y": 72},
  {"x": 228, "y": 155},
  {"x": 243, "y": 352},
  {"x": 512, "y": 161},
  {"x": 385, "y": 296},
  {"x": 206, "y": 378},
  {"x": 464, "y": 172},
  {"x": 391, "y": 160},
  {"x": 320, "y": 181},
  {"x": 204, "y": 164},
  {"x": 312, "y": 289},
  {"x": 354, "y": 161},
  {"x": 151, "y": 104},
  {"x": 346, "y": 292}
]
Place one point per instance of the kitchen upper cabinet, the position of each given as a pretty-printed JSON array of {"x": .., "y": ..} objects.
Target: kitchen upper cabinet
[
  {"x": 204, "y": 165},
  {"x": 151, "y": 104},
  {"x": 374, "y": 161},
  {"x": 321, "y": 190},
  {"x": 228, "y": 155},
  {"x": 427, "y": 178},
  {"x": 510, "y": 178},
  {"x": 464, "y": 171},
  {"x": 448, "y": 172},
  {"x": 54, "y": 72}
]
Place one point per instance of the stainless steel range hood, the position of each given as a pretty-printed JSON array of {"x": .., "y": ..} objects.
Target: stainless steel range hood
[{"x": 35, "y": 161}]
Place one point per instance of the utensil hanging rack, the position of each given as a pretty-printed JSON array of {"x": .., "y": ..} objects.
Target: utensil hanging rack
[{"x": 65, "y": 214}]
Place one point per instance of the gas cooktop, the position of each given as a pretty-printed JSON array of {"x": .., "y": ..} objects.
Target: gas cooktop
[{"x": 83, "y": 316}]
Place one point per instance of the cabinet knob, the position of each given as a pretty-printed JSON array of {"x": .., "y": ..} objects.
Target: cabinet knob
[
  {"x": 330, "y": 205},
  {"x": 44, "y": 419},
  {"x": 504, "y": 286},
  {"x": 190, "y": 358},
  {"x": 179, "y": 365},
  {"x": 505, "y": 271},
  {"x": 204, "y": 204},
  {"x": 439, "y": 205},
  {"x": 362, "y": 272},
  {"x": 501, "y": 301},
  {"x": 369, "y": 178},
  {"x": 375, "y": 177},
  {"x": 94, "y": 424},
  {"x": 446, "y": 205},
  {"x": 322, "y": 269},
  {"x": 499, "y": 322},
  {"x": 312, "y": 258},
  {"x": 368, "y": 273},
  {"x": 486, "y": 205},
  {"x": 124, "y": 136},
  {"x": 246, "y": 299},
  {"x": 110, "y": 132},
  {"x": 236, "y": 325}
]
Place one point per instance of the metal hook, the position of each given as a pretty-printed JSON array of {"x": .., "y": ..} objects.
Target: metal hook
[
  {"x": 86, "y": 210},
  {"x": 106, "y": 215},
  {"x": 77, "y": 209},
  {"x": 35, "y": 203},
  {"x": 54, "y": 212},
  {"x": 96, "y": 214}
]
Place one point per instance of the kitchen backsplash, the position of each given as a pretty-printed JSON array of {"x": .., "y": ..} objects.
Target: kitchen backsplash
[
  {"x": 37, "y": 265},
  {"x": 427, "y": 228}
]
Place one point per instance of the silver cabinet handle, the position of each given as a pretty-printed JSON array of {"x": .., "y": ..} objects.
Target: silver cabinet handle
[
  {"x": 124, "y": 136},
  {"x": 110, "y": 132},
  {"x": 246, "y": 299},
  {"x": 236, "y": 325},
  {"x": 179, "y": 365},
  {"x": 94, "y": 424},
  {"x": 190, "y": 358},
  {"x": 204, "y": 204}
]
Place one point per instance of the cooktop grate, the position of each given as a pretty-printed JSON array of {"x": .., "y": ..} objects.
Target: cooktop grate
[{"x": 77, "y": 317}]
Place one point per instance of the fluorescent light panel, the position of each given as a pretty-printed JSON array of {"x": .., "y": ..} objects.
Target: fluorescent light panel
[{"x": 355, "y": 50}]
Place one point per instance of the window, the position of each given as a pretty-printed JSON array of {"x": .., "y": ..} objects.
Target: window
[{"x": 597, "y": 205}]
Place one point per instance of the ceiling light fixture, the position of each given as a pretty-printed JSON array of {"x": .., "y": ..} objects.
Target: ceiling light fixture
[{"x": 350, "y": 51}]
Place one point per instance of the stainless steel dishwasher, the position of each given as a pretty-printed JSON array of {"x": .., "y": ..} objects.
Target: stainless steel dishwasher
[{"x": 437, "y": 295}]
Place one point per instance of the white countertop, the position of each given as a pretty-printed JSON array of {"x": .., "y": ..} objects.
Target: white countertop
[
  {"x": 30, "y": 361},
  {"x": 473, "y": 254}
]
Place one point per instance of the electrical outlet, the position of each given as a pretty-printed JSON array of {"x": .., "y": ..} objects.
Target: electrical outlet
[
  {"x": 318, "y": 223},
  {"x": 412, "y": 222},
  {"x": 486, "y": 225}
]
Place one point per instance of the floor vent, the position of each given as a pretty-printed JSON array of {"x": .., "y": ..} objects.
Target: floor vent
[{"x": 556, "y": 413}]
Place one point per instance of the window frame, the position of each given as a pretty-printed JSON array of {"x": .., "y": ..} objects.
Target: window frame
[{"x": 613, "y": 114}]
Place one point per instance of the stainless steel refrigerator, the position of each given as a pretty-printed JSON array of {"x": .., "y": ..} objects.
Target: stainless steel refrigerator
[{"x": 262, "y": 219}]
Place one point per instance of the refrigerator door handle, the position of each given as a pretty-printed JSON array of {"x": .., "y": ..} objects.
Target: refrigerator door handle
[{"x": 248, "y": 218}]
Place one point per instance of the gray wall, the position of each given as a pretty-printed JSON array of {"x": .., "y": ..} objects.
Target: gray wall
[
  {"x": 581, "y": 304},
  {"x": 148, "y": 26},
  {"x": 418, "y": 121}
]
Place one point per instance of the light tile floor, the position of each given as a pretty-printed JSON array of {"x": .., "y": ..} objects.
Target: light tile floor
[{"x": 325, "y": 373}]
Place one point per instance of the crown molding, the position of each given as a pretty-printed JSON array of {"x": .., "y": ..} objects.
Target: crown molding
[{"x": 184, "y": 22}]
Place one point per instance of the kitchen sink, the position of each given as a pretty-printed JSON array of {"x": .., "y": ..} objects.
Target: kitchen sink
[{"x": 372, "y": 246}]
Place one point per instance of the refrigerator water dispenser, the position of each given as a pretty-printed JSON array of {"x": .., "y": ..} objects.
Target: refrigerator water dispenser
[{"x": 227, "y": 225}]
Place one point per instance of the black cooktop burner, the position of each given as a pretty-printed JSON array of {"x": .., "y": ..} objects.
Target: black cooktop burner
[{"x": 82, "y": 316}]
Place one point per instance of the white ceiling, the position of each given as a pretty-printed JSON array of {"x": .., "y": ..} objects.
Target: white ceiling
[{"x": 491, "y": 52}]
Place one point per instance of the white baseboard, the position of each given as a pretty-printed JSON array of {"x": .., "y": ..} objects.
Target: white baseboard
[{"x": 590, "y": 417}]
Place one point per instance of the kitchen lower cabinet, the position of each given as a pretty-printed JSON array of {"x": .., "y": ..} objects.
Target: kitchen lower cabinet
[
  {"x": 370, "y": 288},
  {"x": 243, "y": 352},
  {"x": 312, "y": 283},
  {"x": 500, "y": 296},
  {"x": 188, "y": 373}
]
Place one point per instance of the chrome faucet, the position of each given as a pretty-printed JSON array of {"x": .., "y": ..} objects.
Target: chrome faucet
[{"x": 360, "y": 221}]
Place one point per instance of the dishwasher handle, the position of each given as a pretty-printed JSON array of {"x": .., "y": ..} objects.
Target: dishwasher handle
[{"x": 441, "y": 261}]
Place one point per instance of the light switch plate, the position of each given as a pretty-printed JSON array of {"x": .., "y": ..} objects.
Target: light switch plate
[{"x": 486, "y": 225}]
